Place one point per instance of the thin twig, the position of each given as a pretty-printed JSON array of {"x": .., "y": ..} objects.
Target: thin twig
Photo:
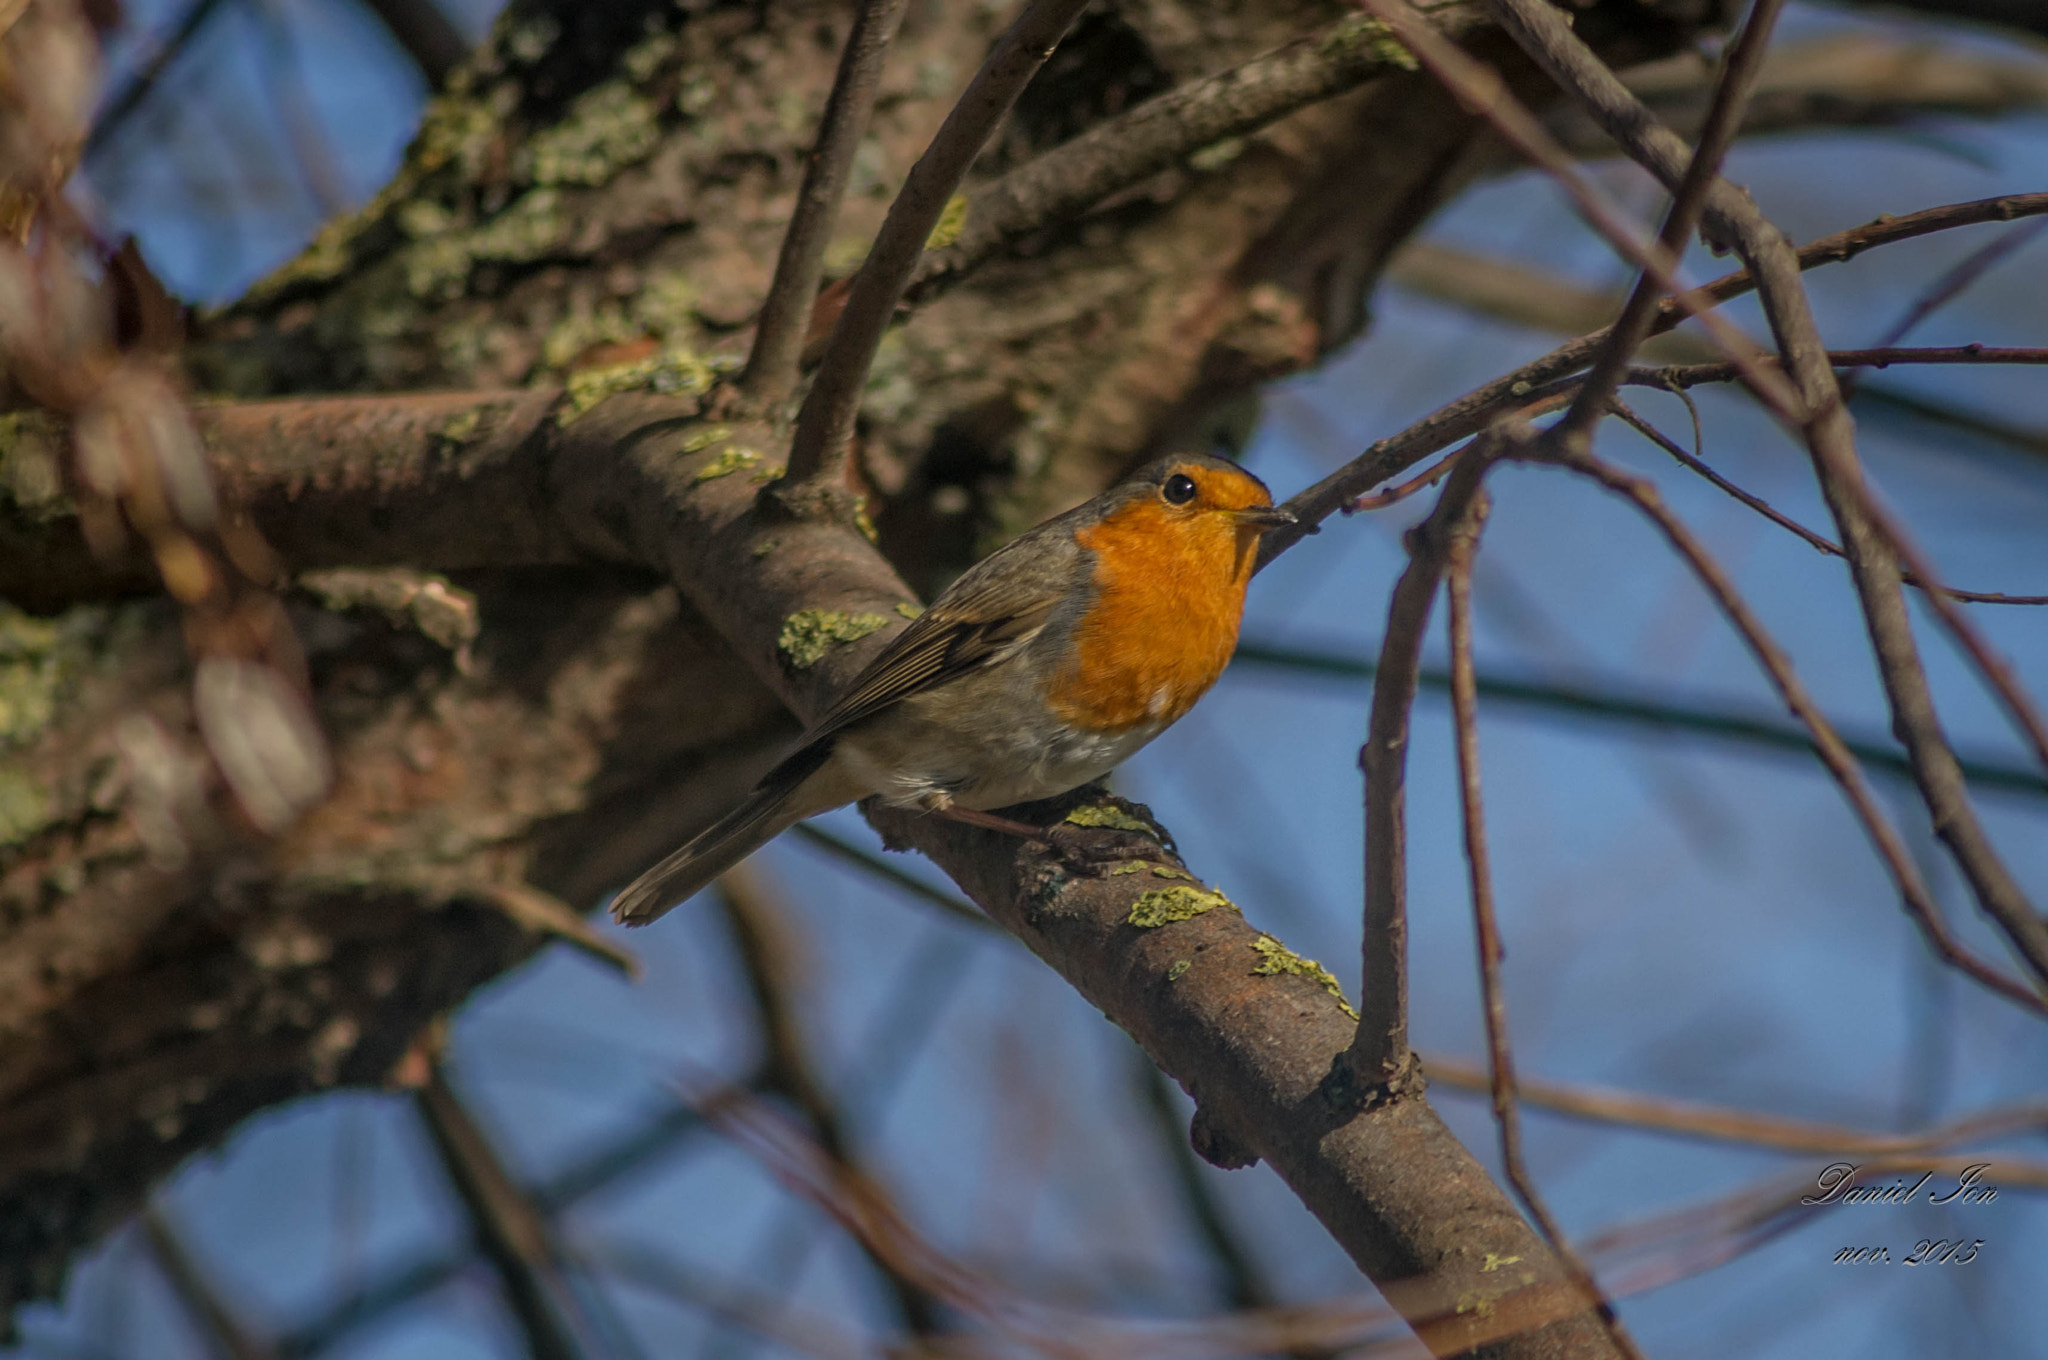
[
  {"x": 1480, "y": 89},
  {"x": 131, "y": 96},
  {"x": 1694, "y": 463},
  {"x": 1959, "y": 277},
  {"x": 1874, "y": 542},
  {"x": 1462, "y": 544},
  {"x": 770, "y": 374},
  {"x": 1058, "y": 186},
  {"x": 767, "y": 959},
  {"x": 1724, "y": 119},
  {"x": 1724, "y": 1124},
  {"x": 212, "y": 1314},
  {"x": 824, "y": 427},
  {"x": 510, "y": 1228},
  {"x": 1473, "y": 412},
  {"x": 1696, "y": 375},
  {"x": 1379, "y": 1054},
  {"x": 1834, "y": 754},
  {"x": 1615, "y": 705}
]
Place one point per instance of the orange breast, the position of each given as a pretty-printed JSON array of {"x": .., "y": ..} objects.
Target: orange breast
[{"x": 1169, "y": 595}]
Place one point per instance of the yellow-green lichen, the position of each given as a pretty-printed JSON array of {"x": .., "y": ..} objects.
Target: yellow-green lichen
[
  {"x": 703, "y": 437},
  {"x": 952, "y": 221},
  {"x": 725, "y": 464},
  {"x": 768, "y": 472},
  {"x": 31, "y": 475},
  {"x": 1216, "y": 155},
  {"x": 1276, "y": 959},
  {"x": 458, "y": 429},
  {"x": 1134, "y": 867},
  {"x": 809, "y": 633},
  {"x": 673, "y": 370},
  {"x": 763, "y": 548},
  {"x": 1365, "y": 33},
  {"x": 437, "y": 267},
  {"x": 1163, "y": 906},
  {"x": 865, "y": 522},
  {"x": 1105, "y": 814},
  {"x": 605, "y": 130},
  {"x": 1179, "y": 969},
  {"x": 24, "y": 807},
  {"x": 909, "y": 610},
  {"x": 1494, "y": 1262}
]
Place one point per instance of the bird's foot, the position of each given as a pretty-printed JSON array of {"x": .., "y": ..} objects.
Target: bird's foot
[{"x": 1091, "y": 840}]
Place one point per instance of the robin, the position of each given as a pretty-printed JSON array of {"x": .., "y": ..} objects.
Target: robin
[{"x": 1045, "y": 665}]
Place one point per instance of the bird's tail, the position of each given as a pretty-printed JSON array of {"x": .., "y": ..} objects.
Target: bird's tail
[{"x": 767, "y": 812}]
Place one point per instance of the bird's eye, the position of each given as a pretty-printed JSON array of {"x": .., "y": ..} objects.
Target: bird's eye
[{"x": 1178, "y": 489}]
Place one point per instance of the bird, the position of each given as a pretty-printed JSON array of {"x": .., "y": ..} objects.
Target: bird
[{"x": 1042, "y": 667}]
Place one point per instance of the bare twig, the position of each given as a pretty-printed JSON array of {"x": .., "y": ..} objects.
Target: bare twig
[
  {"x": 1920, "y": 904},
  {"x": 1873, "y": 542},
  {"x": 435, "y": 45},
  {"x": 1480, "y": 89},
  {"x": 1379, "y": 1053},
  {"x": 1462, "y": 544},
  {"x": 212, "y": 1315},
  {"x": 1469, "y": 414},
  {"x": 848, "y": 853},
  {"x": 138, "y": 88},
  {"x": 1722, "y": 1124},
  {"x": 824, "y": 427},
  {"x": 1724, "y": 119},
  {"x": 767, "y": 958},
  {"x": 1054, "y": 188},
  {"x": 1613, "y": 704},
  {"x": 1959, "y": 277},
  {"x": 510, "y": 1229},
  {"x": 1695, "y": 375},
  {"x": 1694, "y": 463},
  {"x": 770, "y": 374}
]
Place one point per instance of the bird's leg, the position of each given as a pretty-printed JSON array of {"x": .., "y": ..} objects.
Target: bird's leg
[
  {"x": 988, "y": 821},
  {"x": 1088, "y": 848}
]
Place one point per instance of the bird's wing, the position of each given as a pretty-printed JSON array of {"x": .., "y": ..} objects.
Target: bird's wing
[{"x": 980, "y": 617}]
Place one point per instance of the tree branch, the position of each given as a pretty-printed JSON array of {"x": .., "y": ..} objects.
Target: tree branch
[
  {"x": 1463, "y": 544},
  {"x": 770, "y": 374},
  {"x": 1057, "y": 187},
  {"x": 824, "y": 427},
  {"x": 1379, "y": 1052},
  {"x": 1480, "y": 407},
  {"x": 1872, "y": 542}
]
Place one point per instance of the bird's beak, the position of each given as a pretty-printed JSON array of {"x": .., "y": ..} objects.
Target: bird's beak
[{"x": 1263, "y": 517}]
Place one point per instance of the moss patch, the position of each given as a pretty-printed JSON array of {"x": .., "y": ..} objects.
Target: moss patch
[
  {"x": 809, "y": 633},
  {"x": 1276, "y": 959},
  {"x": 1163, "y": 906}
]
